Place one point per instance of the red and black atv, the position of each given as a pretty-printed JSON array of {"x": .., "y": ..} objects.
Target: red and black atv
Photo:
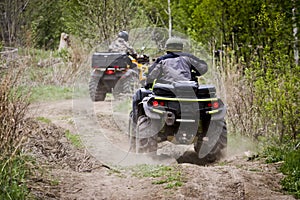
[{"x": 182, "y": 113}]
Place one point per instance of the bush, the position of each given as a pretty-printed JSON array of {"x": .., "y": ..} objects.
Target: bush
[
  {"x": 14, "y": 171},
  {"x": 291, "y": 168},
  {"x": 262, "y": 99},
  {"x": 289, "y": 155},
  {"x": 13, "y": 107}
]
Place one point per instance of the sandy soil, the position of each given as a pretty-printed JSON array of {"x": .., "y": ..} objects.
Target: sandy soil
[{"x": 102, "y": 169}]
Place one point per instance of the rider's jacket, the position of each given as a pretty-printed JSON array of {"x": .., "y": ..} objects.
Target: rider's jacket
[
  {"x": 121, "y": 46},
  {"x": 174, "y": 67}
]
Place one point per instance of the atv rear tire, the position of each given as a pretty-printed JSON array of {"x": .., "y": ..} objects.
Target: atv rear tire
[
  {"x": 146, "y": 139},
  {"x": 96, "y": 89},
  {"x": 218, "y": 129}
]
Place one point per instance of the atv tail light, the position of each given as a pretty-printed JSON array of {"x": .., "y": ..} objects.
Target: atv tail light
[
  {"x": 155, "y": 103},
  {"x": 216, "y": 105},
  {"x": 109, "y": 72},
  {"x": 162, "y": 103},
  {"x": 158, "y": 103}
]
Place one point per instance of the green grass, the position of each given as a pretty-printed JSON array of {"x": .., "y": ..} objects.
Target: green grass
[
  {"x": 168, "y": 176},
  {"x": 290, "y": 156},
  {"x": 43, "y": 119},
  {"x": 69, "y": 119},
  {"x": 45, "y": 93},
  {"x": 291, "y": 168},
  {"x": 38, "y": 53},
  {"x": 50, "y": 93},
  {"x": 74, "y": 139},
  {"x": 54, "y": 182},
  {"x": 13, "y": 176}
]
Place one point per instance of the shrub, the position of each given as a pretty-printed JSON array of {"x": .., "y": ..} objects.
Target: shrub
[
  {"x": 13, "y": 107},
  {"x": 289, "y": 154}
]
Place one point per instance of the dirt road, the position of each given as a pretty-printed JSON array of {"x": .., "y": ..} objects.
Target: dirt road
[{"x": 115, "y": 174}]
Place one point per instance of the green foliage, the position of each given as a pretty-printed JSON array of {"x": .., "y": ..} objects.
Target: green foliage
[
  {"x": 47, "y": 22},
  {"x": 43, "y": 119},
  {"x": 74, "y": 139},
  {"x": 291, "y": 168},
  {"x": 98, "y": 20},
  {"x": 64, "y": 54},
  {"x": 276, "y": 153},
  {"x": 50, "y": 93},
  {"x": 14, "y": 172},
  {"x": 156, "y": 11},
  {"x": 167, "y": 175},
  {"x": 276, "y": 86},
  {"x": 205, "y": 24},
  {"x": 289, "y": 154},
  {"x": 13, "y": 165}
]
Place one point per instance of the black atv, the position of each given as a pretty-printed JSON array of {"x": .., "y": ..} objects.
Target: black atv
[
  {"x": 182, "y": 113},
  {"x": 109, "y": 68}
]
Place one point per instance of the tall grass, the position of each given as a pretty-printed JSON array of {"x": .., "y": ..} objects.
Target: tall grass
[
  {"x": 13, "y": 132},
  {"x": 44, "y": 68},
  {"x": 262, "y": 98},
  {"x": 50, "y": 74},
  {"x": 44, "y": 73},
  {"x": 262, "y": 95}
]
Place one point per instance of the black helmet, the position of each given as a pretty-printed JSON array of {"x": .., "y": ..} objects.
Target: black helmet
[
  {"x": 124, "y": 35},
  {"x": 174, "y": 44}
]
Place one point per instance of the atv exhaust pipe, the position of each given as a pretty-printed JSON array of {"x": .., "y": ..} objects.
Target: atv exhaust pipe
[{"x": 169, "y": 118}]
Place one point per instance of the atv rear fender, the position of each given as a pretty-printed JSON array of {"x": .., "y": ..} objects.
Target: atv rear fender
[
  {"x": 97, "y": 72},
  {"x": 220, "y": 113},
  {"x": 149, "y": 110}
]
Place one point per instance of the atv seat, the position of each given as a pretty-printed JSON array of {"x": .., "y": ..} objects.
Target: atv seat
[
  {"x": 105, "y": 59},
  {"x": 184, "y": 89},
  {"x": 176, "y": 89}
]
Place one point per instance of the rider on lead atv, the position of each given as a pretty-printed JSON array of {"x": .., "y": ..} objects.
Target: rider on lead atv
[
  {"x": 121, "y": 45},
  {"x": 173, "y": 66}
]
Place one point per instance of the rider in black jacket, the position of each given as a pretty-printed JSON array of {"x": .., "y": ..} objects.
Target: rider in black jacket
[
  {"x": 171, "y": 67},
  {"x": 175, "y": 65}
]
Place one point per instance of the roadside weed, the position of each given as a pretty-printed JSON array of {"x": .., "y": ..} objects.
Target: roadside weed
[
  {"x": 169, "y": 176},
  {"x": 74, "y": 139},
  {"x": 44, "y": 119}
]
